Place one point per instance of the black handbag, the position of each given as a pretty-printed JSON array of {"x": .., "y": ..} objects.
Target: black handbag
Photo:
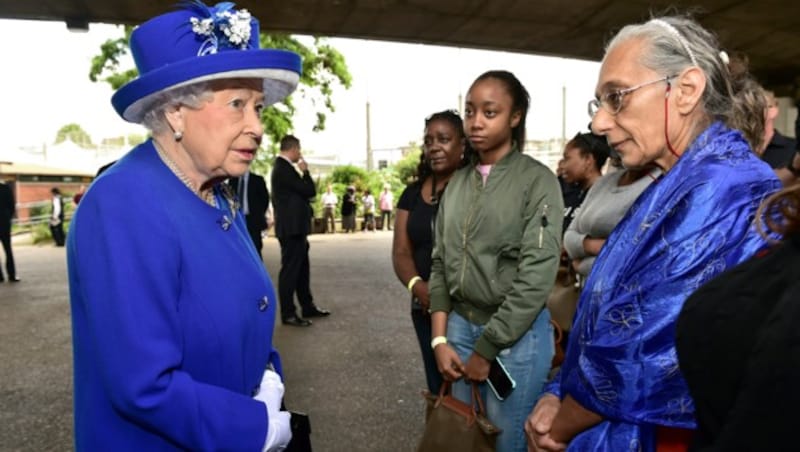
[{"x": 301, "y": 433}]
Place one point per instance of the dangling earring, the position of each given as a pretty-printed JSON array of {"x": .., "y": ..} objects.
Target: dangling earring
[{"x": 178, "y": 136}]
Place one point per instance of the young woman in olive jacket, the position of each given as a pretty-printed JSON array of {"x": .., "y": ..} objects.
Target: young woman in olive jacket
[{"x": 495, "y": 257}]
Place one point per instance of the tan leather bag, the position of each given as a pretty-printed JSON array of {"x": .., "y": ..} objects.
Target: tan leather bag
[
  {"x": 454, "y": 426},
  {"x": 563, "y": 300}
]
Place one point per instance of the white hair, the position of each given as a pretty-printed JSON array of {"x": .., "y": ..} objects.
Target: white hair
[
  {"x": 192, "y": 96},
  {"x": 675, "y": 43}
]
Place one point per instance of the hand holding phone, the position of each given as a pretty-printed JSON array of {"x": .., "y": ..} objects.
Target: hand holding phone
[{"x": 500, "y": 381}]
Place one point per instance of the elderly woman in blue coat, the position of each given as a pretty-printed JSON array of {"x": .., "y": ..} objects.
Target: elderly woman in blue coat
[{"x": 172, "y": 309}]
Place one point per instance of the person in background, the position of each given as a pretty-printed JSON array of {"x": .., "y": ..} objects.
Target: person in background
[
  {"x": 368, "y": 203},
  {"x": 349, "y": 209},
  {"x": 663, "y": 98},
  {"x": 605, "y": 204},
  {"x": 57, "y": 216},
  {"x": 8, "y": 210},
  {"x": 252, "y": 197},
  {"x": 570, "y": 192},
  {"x": 584, "y": 157},
  {"x": 329, "y": 201},
  {"x": 76, "y": 198},
  {"x": 386, "y": 202},
  {"x": 778, "y": 149},
  {"x": 172, "y": 310},
  {"x": 292, "y": 192},
  {"x": 793, "y": 165},
  {"x": 443, "y": 151},
  {"x": 495, "y": 256},
  {"x": 736, "y": 341}
]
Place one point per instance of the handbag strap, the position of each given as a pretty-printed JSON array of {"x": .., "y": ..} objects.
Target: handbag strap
[
  {"x": 559, "y": 332},
  {"x": 475, "y": 397}
]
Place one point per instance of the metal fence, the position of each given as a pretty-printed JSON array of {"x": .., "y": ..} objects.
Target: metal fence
[{"x": 41, "y": 206}]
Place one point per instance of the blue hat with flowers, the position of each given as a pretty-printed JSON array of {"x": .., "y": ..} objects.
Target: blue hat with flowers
[{"x": 198, "y": 43}]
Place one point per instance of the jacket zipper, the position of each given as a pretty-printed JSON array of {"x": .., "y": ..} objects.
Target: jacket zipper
[
  {"x": 467, "y": 222},
  {"x": 543, "y": 224}
]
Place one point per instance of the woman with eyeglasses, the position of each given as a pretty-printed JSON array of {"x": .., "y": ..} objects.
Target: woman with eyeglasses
[
  {"x": 444, "y": 150},
  {"x": 666, "y": 97}
]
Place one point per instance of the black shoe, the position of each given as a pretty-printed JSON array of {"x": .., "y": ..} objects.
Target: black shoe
[
  {"x": 317, "y": 312},
  {"x": 14, "y": 279},
  {"x": 296, "y": 321}
]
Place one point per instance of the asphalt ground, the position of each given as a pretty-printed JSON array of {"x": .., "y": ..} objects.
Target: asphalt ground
[{"x": 357, "y": 374}]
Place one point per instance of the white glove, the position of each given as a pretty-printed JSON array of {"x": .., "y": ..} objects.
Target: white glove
[
  {"x": 279, "y": 432},
  {"x": 271, "y": 391}
]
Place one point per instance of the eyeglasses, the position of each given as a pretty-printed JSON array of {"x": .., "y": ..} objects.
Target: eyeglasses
[{"x": 612, "y": 102}]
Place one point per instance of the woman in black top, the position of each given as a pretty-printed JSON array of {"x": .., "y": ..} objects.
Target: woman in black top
[
  {"x": 443, "y": 152},
  {"x": 738, "y": 344}
]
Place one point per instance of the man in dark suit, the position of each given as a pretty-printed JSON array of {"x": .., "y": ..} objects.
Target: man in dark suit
[
  {"x": 7, "y": 211},
  {"x": 292, "y": 191},
  {"x": 251, "y": 191}
]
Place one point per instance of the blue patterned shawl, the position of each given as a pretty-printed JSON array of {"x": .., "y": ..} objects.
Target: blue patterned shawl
[{"x": 687, "y": 227}]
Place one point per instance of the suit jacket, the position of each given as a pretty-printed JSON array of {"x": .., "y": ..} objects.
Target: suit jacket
[
  {"x": 291, "y": 196},
  {"x": 257, "y": 200},
  {"x": 7, "y": 206}
]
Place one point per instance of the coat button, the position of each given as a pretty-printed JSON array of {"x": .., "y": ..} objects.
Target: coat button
[{"x": 263, "y": 304}]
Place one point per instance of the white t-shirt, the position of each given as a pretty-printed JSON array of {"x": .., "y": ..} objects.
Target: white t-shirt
[{"x": 329, "y": 199}]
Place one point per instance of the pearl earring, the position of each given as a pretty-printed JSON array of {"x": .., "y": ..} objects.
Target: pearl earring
[{"x": 178, "y": 136}]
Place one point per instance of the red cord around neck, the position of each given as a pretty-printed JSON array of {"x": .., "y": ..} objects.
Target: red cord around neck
[{"x": 666, "y": 120}]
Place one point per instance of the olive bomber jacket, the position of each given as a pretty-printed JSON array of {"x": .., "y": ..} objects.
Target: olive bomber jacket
[{"x": 497, "y": 248}]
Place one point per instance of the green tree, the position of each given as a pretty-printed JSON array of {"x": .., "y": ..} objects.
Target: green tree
[
  {"x": 136, "y": 139},
  {"x": 406, "y": 168},
  {"x": 74, "y": 133},
  {"x": 348, "y": 175},
  {"x": 324, "y": 68}
]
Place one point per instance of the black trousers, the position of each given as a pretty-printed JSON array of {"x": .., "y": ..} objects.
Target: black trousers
[
  {"x": 255, "y": 236},
  {"x": 294, "y": 276},
  {"x": 422, "y": 326},
  {"x": 58, "y": 233},
  {"x": 5, "y": 237}
]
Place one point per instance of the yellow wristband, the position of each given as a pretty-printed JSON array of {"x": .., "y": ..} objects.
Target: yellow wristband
[
  {"x": 413, "y": 281},
  {"x": 438, "y": 340}
]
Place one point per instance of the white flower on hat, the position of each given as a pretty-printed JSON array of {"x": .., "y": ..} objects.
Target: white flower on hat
[
  {"x": 202, "y": 27},
  {"x": 237, "y": 27},
  {"x": 226, "y": 28}
]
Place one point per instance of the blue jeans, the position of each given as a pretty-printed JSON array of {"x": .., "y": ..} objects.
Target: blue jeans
[{"x": 528, "y": 363}]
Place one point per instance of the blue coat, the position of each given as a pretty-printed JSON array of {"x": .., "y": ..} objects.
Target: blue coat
[
  {"x": 172, "y": 316},
  {"x": 690, "y": 225}
]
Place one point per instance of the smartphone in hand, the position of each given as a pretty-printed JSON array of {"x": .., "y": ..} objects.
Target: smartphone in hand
[{"x": 500, "y": 381}]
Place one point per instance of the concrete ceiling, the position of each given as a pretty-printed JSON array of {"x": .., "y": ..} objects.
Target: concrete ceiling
[{"x": 768, "y": 31}]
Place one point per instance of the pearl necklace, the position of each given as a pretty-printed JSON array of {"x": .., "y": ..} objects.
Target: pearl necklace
[{"x": 206, "y": 195}]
